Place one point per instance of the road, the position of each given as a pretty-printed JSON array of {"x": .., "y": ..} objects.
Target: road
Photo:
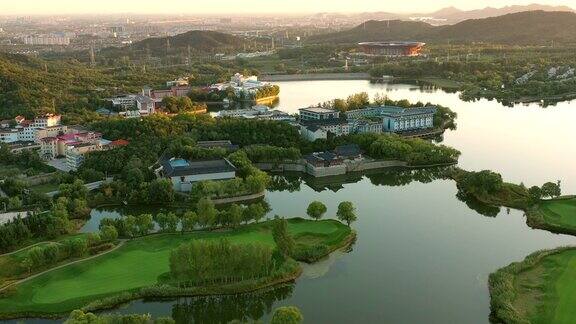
[{"x": 90, "y": 186}]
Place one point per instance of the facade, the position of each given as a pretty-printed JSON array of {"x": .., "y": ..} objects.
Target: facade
[
  {"x": 145, "y": 105},
  {"x": 392, "y": 49},
  {"x": 183, "y": 173},
  {"x": 318, "y": 113},
  {"x": 33, "y": 130},
  {"x": 397, "y": 119},
  {"x": 75, "y": 153},
  {"x": 258, "y": 112}
]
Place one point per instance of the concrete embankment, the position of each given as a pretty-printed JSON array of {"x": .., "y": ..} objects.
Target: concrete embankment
[
  {"x": 315, "y": 77},
  {"x": 351, "y": 166}
]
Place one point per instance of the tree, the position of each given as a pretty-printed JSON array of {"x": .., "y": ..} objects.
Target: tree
[
  {"x": 551, "y": 189},
  {"x": 145, "y": 224},
  {"x": 284, "y": 241},
  {"x": 316, "y": 210},
  {"x": 108, "y": 233},
  {"x": 535, "y": 193},
  {"x": 287, "y": 315},
  {"x": 189, "y": 220},
  {"x": 206, "y": 212},
  {"x": 78, "y": 247},
  {"x": 346, "y": 212},
  {"x": 162, "y": 220},
  {"x": 257, "y": 211},
  {"x": 171, "y": 222},
  {"x": 235, "y": 214}
]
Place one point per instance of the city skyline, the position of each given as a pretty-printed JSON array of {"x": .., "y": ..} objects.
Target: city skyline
[{"x": 39, "y": 7}]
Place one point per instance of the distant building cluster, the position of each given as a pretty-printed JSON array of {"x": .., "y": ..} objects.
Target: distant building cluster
[
  {"x": 148, "y": 101},
  {"x": 318, "y": 122},
  {"x": 46, "y": 40},
  {"x": 392, "y": 49},
  {"x": 52, "y": 140},
  {"x": 241, "y": 84}
]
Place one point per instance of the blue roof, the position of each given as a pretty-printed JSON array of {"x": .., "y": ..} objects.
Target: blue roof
[{"x": 179, "y": 163}]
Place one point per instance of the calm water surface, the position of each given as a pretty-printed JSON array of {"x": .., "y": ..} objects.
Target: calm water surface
[{"x": 422, "y": 255}]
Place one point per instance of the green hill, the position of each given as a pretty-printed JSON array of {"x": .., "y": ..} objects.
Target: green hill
[{"x": 530, "y": 27}]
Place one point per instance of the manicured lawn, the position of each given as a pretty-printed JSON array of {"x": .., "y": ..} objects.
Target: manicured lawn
[
  {"x": 560, "y": 212},
  {"x": 137, "y": 264},
  {"x": 46, "y": 187},
  {"x": 546, "y": 292}
]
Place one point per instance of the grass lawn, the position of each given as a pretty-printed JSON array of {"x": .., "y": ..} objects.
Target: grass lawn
[
  {"x": 559, "y": 212},
  {"x": 11, "y": 264},
  {"x": 138, "y": 264},
  {"x": 545, "y": 292},
  {"x": 46, "y": 187}
]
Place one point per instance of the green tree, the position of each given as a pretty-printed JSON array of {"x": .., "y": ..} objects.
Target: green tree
[
  {"x": 346, "y": 212},
  {"x": 172, "y": 222},
  {"x": 145, "y": 224},
  {"x": 189, "y": 220},
  {"x": 108, "y": 233},
  {"x": 551, "y": 189},
  {"x": 535, "y": 193},
  {"x": 235, "y": 213},
  {"x": 257, "y": 211},
  {"x": 287, "y": 315},
  {"x": 284, "y": 241},
  {"x": 316, "y": 210},
  {"x": 206, "y": 212}
]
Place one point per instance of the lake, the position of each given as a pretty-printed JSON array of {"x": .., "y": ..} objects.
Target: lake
[{"x": 422, "y": 255}]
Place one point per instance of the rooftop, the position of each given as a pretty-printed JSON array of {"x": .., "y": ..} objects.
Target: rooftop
[
  {"x": 175, "y": 167},
  {"x": 319, "y": 110}
]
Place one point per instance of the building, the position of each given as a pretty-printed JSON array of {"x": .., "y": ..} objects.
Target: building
[
  {"x": 313, "y": 132},
  {"x": 397, "y": 119},
  {"x": 145, "y": 105},
  {"x": 349, "y": 152},
  {"x": 225, "y": 144},
  {"x": 391, "y": 49},
  {"x": 318, "y": 113},
  {"x": 33, "y": 130},
  {"x": 46, "y": 40},
  {"x": 323, "y": 164},
  {"x": 258, "y": 112},
  {"x": 183, "y": 173}
]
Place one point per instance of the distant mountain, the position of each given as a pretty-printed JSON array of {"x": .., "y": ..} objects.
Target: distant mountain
[
  {"x": 531, "y": 27},
  {"x": 373, "y": 30},
  {"x": 454, "y": 15},
  {"x": 198, "y": 40}
]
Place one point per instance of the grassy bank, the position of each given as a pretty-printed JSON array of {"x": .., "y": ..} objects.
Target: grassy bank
[
  {"x": 138, "y": 264},
  {"x": 556, "y": 215},
  {"x": 539, "y": 289}
]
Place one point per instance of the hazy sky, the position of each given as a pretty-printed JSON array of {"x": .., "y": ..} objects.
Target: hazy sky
[{"x": 248, "y": 6}]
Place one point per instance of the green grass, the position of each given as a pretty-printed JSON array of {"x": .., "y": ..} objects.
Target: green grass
[
  {"x": 137, "y": 264},
  {"x": 46, "y": 187},
  {"x": 559, "y": 212},
  {"x": 542, "y": 290}
]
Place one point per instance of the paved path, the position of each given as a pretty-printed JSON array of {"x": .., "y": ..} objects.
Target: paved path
[
  {"x": 62, "y": 266},
  {"x": 90, "y": 186},
  {"x": 26, "y": 247}
]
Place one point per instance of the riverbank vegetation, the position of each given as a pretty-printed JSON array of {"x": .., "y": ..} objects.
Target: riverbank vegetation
[
  {"x": 539, "y": 289},
  {"x": 111, "y": 278}
]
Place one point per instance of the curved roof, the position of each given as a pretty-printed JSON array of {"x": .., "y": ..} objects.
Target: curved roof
[{"x": 392, "y": 44}]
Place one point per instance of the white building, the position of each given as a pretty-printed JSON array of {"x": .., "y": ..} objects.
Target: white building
[
  {"x": 397, "y": 119},
  {"x": 183, "y": 173},
  {"x": 33, "y": 130},
  {"x": 318, "y": 113}
]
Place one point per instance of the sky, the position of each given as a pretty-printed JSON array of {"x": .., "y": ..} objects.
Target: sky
[{"x": 10, "y": 7}]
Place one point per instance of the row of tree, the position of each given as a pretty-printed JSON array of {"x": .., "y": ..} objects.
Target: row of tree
[
  {"x": 205, "y": 216},
  {"x": 346, "y": 211},
  {"x": 203, "y": 262}
]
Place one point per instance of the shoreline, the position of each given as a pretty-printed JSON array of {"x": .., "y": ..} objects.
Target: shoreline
[{"x": 115, "y": 300}]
